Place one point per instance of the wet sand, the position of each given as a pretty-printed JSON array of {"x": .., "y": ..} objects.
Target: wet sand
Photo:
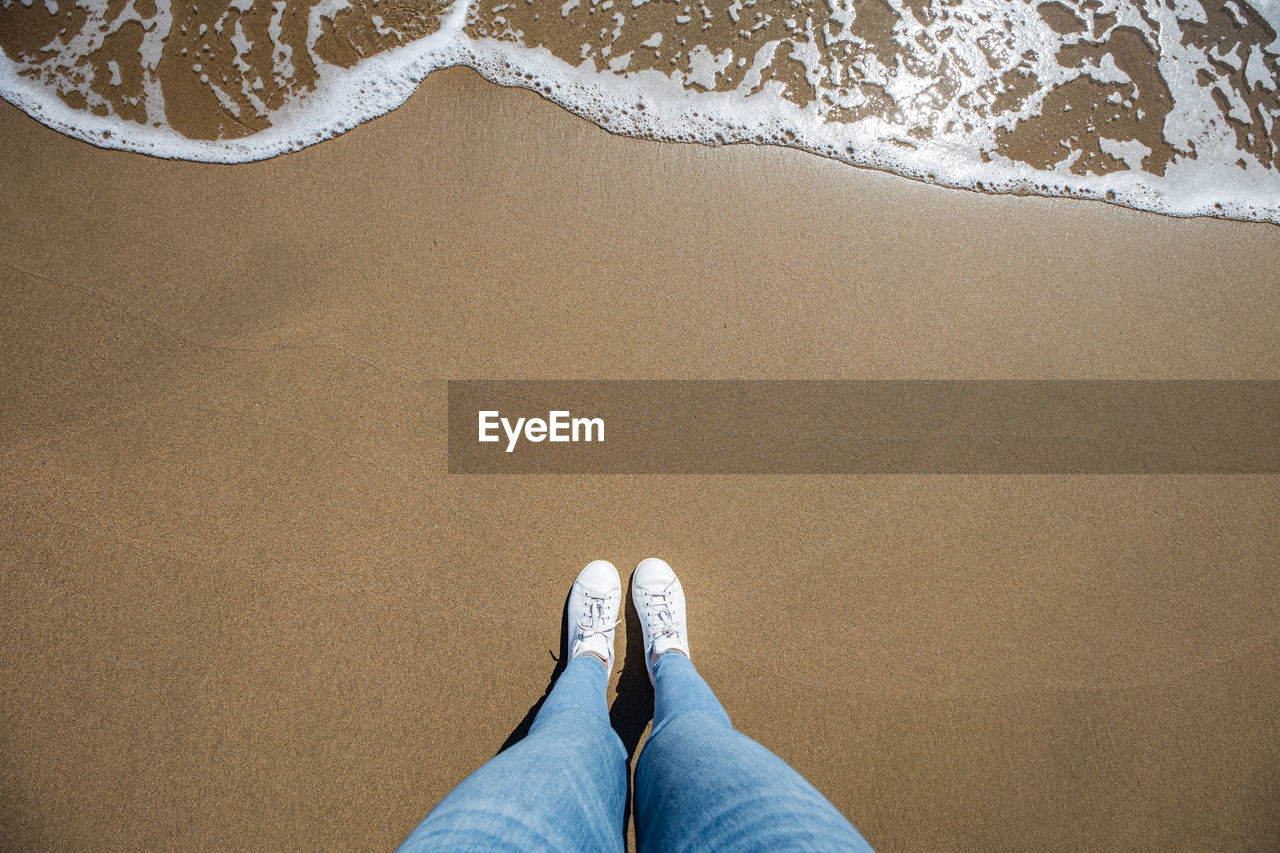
[{"x": 248, "y": 608}]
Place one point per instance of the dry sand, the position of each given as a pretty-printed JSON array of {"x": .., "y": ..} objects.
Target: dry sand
[{"x": 247, "y": 608}]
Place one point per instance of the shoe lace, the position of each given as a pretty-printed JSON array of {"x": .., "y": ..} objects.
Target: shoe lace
[
  {"x": 662, "y": 620},
  {"x": 592, "y": 619}
]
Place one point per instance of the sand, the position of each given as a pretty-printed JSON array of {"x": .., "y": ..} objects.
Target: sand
[{"x": 248, "y": 608}]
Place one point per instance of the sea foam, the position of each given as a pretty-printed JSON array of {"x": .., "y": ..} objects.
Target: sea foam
[{"x": 1165, "y": 106}]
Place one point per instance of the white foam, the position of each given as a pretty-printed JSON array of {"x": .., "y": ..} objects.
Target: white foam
[
  {"x": 1130, "y": 151},
  {"x": 281, "y": 52},
  {"x": 705, "y": 67},
  {"x": 956, "y": 147}
]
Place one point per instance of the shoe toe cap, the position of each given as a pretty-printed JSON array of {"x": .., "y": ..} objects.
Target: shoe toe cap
[
  {"x": 600, "y": 575},
  {"x": 653, "y": 572}
]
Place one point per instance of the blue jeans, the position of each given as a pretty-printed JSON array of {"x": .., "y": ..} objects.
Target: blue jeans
[{"x": 700, "y": 785}]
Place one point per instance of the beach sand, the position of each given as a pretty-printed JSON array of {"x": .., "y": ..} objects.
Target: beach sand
[{"x": 248, "y": 608}]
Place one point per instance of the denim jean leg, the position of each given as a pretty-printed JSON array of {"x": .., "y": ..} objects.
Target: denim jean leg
[
  {"x": 679, "y": 689},
  {"x": 701, "y": 785},
  {"x": 562, "y": 788}
]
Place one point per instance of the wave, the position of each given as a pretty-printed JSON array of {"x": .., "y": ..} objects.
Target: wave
[{"x": 1169, "y": 106}]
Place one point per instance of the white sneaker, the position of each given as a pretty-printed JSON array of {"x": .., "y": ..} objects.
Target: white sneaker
[
  {"x": 659, "y": 601},
  {"x": 593, "y": 611}
]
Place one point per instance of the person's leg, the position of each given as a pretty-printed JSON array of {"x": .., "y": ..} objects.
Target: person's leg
[
  {"x": 564, "y": 786},
  {"x": 700, "y": 784}
]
